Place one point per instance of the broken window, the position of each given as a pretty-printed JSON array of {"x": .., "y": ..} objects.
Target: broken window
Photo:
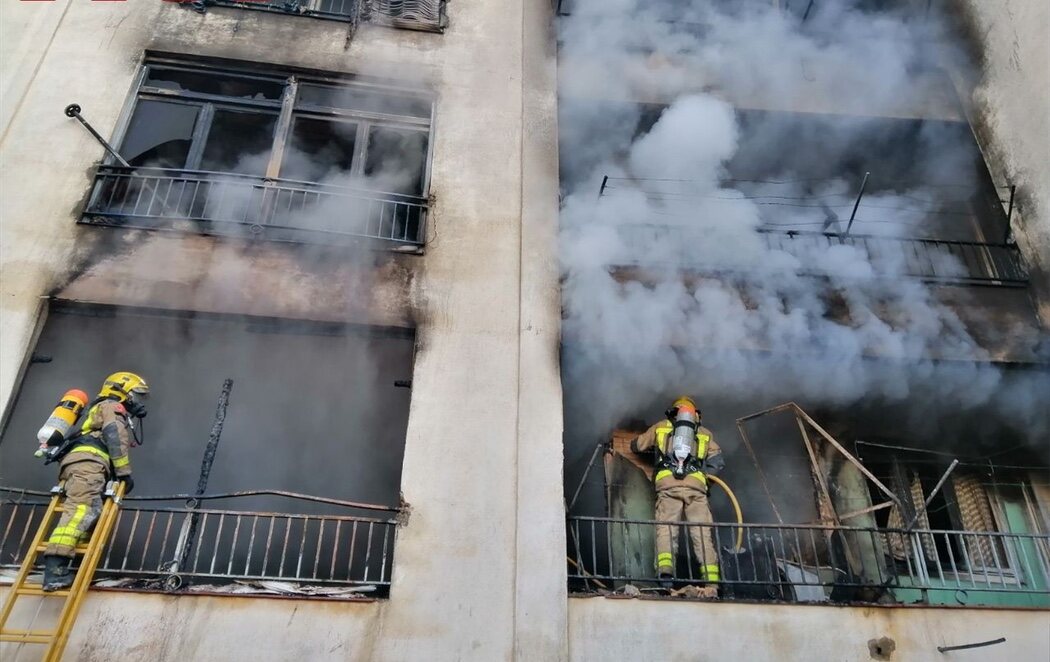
[
  {"x": 293, "y": 156},
  {"x": 395, "y": 159},
  {"x": 328, "y": 434},
  {"x": 161, "y": 134},
  {"x": 239, "y": 141},
  {"x": 319, "y": 147}
]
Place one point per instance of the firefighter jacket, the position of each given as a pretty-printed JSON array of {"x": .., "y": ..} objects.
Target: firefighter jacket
[
  {"x": 105, "y": 437},
  {"x": 657, "y": 438}
]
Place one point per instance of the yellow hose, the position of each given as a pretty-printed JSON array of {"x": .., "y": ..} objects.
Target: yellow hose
[{"x": 736, "y": 506}]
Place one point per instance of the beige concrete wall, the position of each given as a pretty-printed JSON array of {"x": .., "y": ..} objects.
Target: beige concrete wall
[
  {"x": 90, "y": 53},
  {"x": 606, "y": 629},
  {"x": 1010, "y": 111},
  {"x": 118, "y": 625},
  {"x": 477, "y": 570}
]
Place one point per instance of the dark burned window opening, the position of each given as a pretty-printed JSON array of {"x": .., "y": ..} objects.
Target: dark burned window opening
[
  {"x": 281, "y": 514},
  {"x": 282, "y": 155},
  {"x": 855, "y": 532},
  {"x": 426, "y": 15}
]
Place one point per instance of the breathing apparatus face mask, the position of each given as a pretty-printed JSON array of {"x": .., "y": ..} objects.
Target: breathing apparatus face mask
[{"x": 135, "y": 405}]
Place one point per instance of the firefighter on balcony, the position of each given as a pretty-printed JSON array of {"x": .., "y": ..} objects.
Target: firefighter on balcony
[
  {"x": 685, "y": 452},
  {"x": 95, "y": 453}
]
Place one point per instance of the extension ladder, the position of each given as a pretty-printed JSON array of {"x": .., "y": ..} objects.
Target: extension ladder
[{"x": 72, "y": 597}]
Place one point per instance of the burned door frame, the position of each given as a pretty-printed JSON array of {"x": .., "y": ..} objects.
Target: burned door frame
[
  {"x": 635, "y": 556},
  {"x": 834, "y": 536}
]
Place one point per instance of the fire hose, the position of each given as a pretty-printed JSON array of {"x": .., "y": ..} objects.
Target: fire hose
[{"x": 736, "y": 506}]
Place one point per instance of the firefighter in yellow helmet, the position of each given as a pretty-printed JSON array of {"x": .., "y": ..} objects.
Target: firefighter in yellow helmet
[
  {"x": 685, "y": 452},
  {"x": 95, "y": 453}
]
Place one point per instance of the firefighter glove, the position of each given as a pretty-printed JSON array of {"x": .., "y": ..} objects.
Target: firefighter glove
[
  {"x": 129, "y": 484},
  {"x": 714, "y": 464}
]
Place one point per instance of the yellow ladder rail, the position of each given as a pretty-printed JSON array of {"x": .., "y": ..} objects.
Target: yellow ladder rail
[{"x": 73, "y": 597}]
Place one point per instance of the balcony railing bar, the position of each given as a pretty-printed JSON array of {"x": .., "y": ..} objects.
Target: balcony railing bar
[
  {"x": 224, "y": 202},
  {"x": 815, "y": 552},
  {"x": 428, "y": 15},
  {"x": 946, "y": 261},
  {"x": 143, "y": 547}
]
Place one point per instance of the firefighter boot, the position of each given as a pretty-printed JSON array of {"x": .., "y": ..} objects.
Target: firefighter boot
[
  {"x": 57, "y": 573},
  {"x": 666, "y": 580}
]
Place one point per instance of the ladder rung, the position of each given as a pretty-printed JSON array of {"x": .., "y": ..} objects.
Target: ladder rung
[
  {"x": 32, "y": 590},
  {"x": 34, "y": 637},
  {"x": 79, "y": 549}
]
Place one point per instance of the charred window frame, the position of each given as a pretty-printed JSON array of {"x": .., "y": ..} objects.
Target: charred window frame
[
  {"x": 286, "y": 108},
  {"x": 426, "y": 15},
  {"x": 225, "y": 121}
]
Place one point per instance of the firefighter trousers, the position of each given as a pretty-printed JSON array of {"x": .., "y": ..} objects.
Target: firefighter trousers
[
  {"x": 85, "y": 483},
  {"x": 673, "y": 504}
]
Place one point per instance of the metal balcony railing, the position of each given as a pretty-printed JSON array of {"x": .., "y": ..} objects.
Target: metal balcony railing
[
  {"x": 933, "y": 260},
  {"x": 172, "y": 546},
  {"x": 248, "y": 206},
  {"x": 412, "y": 14},
  {"x": 338, "y": 10},
  {"x": 812, "y": 563},
  {"x": 418, "y": 14}
]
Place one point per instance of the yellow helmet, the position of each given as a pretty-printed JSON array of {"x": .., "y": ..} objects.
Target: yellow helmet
[{"x": 124, "y": 387}]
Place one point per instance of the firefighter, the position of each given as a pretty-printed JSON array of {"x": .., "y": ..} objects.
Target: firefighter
[
  {"x": 94, "y": 454},
  {"x": 685, "y": 453}
]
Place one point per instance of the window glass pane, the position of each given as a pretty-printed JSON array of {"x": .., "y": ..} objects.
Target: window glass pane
[
  {"x": 239, "y": 142},
  {"x": 396, "y": 160},
  {"x": 319, "y": 149},
  {"x": 160, "y": 134},
  {"x": 363, "y": 99},
  {"x": 220, "y": 84}
]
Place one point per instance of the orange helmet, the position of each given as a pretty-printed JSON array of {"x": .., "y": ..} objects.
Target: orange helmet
[{"x": 686, "y": 402}]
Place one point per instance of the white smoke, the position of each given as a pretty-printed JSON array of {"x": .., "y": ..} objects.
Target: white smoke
[{"x": 668, "y": 283}]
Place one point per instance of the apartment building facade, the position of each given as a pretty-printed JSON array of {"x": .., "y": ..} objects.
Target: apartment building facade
[{"x": 351, "y": 210}]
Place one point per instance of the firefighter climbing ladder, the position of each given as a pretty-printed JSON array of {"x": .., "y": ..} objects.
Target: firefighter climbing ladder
[{"x": 90, "y": 553}]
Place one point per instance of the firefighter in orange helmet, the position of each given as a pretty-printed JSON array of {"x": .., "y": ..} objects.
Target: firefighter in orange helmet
[
  {"x": 97, "y": 452},
  {"x": 685, "y": 452}
]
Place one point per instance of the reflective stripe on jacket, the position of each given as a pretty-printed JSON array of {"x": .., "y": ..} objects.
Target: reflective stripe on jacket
[
  {"x": 665, "y": 429},
  {"x": 657, "y": 437}
]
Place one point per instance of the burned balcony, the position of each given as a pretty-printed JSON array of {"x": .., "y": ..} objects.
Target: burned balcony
[
  {"x": 823, "y": 564},
  {"x": 428, "y": 15},
  {"x": 241, "y": 205},
  {"x": 277, "y": 155},
  {"x": 906, "y": 526},
  {"x": 347, "y": 552},
  {"x": 234, "y": 494},
  {"x": 943, "y": 251}
]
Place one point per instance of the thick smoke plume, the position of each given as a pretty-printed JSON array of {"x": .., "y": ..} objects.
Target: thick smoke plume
[{"x": 672, "y": 280}]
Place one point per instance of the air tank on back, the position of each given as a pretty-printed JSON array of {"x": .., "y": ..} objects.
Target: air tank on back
[{"x": 62, "y": 418}]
